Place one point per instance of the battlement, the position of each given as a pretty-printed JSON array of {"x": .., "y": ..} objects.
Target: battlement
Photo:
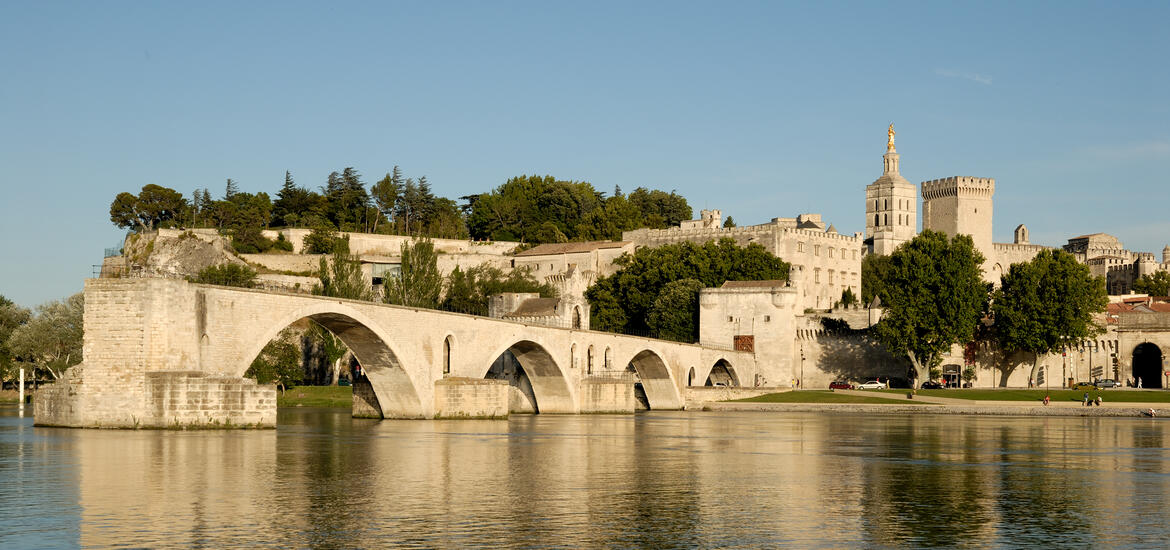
[{"x": 958, "y": 186}]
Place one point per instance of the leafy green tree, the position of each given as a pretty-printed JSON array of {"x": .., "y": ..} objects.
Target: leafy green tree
[
  {"x": 468, "y": 291},
  {"x": 330, "y": 347},
  {"x": 51, "y": 339},
  {"x": 322, "y": 239},
  {"x": 670, "y": 208},
  {"x": 875, "y": 271},
  {"x": 12, "y": 316},
  {"x": 1157, "y": 284},
  {"x": 1046, "y": 304},
  {"x": 296, "y": 206},
  {"x": 342, "y": 277},
  {"x": 729, "y": 222},
  {"x": 348, "y": 203},
  {"x": 419, "y": 283},
  {"x": 934, "y": 296},
  {"x": 226, "y": 275},
  {"x": 279, "y": 362},
  {"x": 251, "y": 214},
  {"x": 154, "y": 206},
  {"x": 622, "y": 301},
  {"x": 387, "y": 192},
  {"x": 848, "y": 298},
  {"x": 674, "y": 315}
]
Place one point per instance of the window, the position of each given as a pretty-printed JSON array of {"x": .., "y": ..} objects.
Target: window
[
  {"x": 830, "y": 252},
  {"x": 830, "y": 276},
  {"x": 817, "y": 275},
  {"x": 589, "y": 361},
  {"x": 816, "y": 250},
  {"x": 767, "y": 318},
  {"x": 608, "y": 359},
  {"x": 730, "y": 319},
  {"x": 800, "y": 247},
  {"x": 875, "y": 219},
  {"x": 854, "y": 254},
  {"x": 447, "y": 355}
]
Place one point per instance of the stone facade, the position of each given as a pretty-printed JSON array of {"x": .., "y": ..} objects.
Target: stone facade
[
  {"x": 824, "y": 262},
  {"x": 755, "y": 316}
]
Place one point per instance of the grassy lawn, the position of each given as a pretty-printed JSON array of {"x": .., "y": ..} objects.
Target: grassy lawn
[
  {"x": 316, "y": 396},
  {"x": 1115, "y": 395},
  {"x": 10, "y": 396},
  {"x": 818, "y": 396}
]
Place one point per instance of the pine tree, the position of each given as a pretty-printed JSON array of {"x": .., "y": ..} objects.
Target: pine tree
[{"x": 231, "y": 190}]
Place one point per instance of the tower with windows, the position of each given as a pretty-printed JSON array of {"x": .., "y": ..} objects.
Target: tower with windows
[{"x": 890, "y": 205}]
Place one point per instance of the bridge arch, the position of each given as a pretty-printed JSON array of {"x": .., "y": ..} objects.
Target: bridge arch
[
  {"x": 656, "y": 380},
  {"x": 550, "y": 387},
  {"x": 395, "y": 391},
  {"x": 722, "y": 373}
]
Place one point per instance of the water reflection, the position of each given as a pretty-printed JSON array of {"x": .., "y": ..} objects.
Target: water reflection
[{"x": 657, "y": 480}]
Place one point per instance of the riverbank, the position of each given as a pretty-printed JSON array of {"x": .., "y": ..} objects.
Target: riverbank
[
  {"x": 1115, "y": 410},
  {"x": 317, "y": 396}
]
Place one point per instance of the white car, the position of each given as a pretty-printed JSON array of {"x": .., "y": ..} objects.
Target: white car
[{"x": 872, "y": 385}]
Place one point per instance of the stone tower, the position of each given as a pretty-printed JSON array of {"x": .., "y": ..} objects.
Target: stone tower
[
  {"x": 960, "y": 205},
  {"x": 1166, "y": 254},
  {"x": 890, "y": 204}
]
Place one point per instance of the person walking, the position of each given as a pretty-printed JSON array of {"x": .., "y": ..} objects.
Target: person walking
[
  {"x": 1086, "y": 399},
  {"x": 1139, "y": 382}
]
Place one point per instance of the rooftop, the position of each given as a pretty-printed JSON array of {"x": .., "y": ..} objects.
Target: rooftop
[{"x": 571, "y": 248}]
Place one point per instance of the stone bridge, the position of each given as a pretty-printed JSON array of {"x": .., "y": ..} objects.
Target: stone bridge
[{"x": 168, "y": 353}]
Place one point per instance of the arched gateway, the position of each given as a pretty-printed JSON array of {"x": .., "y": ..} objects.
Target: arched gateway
[
  {"x": 1148, "y": 365},
  {"x": 168, "y": 353}
]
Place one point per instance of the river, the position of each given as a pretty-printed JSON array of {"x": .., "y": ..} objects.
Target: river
[{"x": 651, "y": 480}]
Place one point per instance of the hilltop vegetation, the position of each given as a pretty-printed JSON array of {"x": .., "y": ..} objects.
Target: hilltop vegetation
[{"x": 531, "y": 209}]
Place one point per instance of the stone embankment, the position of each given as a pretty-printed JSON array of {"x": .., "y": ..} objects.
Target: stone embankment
[{"x": 900, "y": 404}]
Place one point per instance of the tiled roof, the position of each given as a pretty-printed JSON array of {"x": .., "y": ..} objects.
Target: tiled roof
[{"x": 570, "y": 248}]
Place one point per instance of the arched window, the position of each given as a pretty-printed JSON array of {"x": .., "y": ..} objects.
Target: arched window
[
  {"x": 875, "y": 219},
  {"x": 447, "y": 355},
  {"x": 589, "y": 361},
  {"x": 608, "y": 359},
  {"x": 576, "y": 317},
  {"x": 573, "y": 357},
  {"x": 691, "y": 377}
]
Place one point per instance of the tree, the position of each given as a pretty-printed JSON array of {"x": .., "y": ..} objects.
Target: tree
[
  {"x": 296, "y": 206},
  {"x": 51, "y": 339},
  {"x": 848, "y": 298},
  {"x": 1157, "y": 284},
  {"x": 729, "y": 222},
  {"x": 330, "y": 347},
  {"x": 342, "y": 277},
  {"x": 230, "y": 190},
  {"x": 934, "y": 296},
  {"x": 279, "y": 362},
  {"x": 621, "y": 302},
  {"x": 226, "y": 275},
  {"x": 155, "y": 205},
  {"x": 1046, "y": 304},
  {"x": 419, "y": 283},
  {"x": 386, "y": 193},
  {"x": 671, "y": 208},
  {"x": 12, "y": 316},
  {"x": 875, "y": 271},
  {"x": 468, "y": 291},
  {"x": 675, "y": 312},
  {"x": 322, "y": 239}
]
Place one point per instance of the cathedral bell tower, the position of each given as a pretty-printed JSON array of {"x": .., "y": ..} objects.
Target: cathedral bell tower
[{"x": 890, "y": 205}]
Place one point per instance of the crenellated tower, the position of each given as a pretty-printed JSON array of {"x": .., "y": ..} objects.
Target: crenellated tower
[
  {"x": 890, "y": 205},
  {"x": 960, "y": 205}
]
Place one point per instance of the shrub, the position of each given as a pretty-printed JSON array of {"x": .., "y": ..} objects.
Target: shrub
[{"x": 226, "y": 275}]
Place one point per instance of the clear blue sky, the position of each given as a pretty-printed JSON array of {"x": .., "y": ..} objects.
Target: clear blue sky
[{"x": 759, "y": 109}]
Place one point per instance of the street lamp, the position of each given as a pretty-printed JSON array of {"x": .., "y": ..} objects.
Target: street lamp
[{"x": 800, "y": 382}]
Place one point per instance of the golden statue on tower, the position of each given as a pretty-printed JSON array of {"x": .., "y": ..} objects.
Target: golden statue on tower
[{"x": 890, "y": 144}]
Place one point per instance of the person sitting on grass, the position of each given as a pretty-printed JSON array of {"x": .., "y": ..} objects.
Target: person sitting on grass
[
  {"x": 1098, "y": 400},
  {"x": 1046, "y": 399}
]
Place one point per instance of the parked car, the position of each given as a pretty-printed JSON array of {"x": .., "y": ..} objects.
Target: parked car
[
  {"x": 1108, "y": 383},
  {"x": 1084, "y": 386},
  {"x": 840, "y": 385},
  {"x": 872, "y": 385},
  {"x": 932, "y": 385}
]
